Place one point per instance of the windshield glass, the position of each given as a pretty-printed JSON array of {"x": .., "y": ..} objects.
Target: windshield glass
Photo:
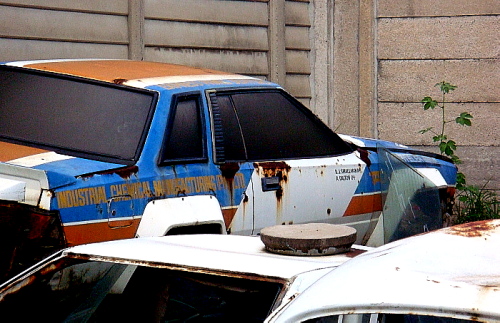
[
  {"x": 73, "y": 116},
  {"x": 411, "y": 201},
  {"x": 72, "y": 290}
]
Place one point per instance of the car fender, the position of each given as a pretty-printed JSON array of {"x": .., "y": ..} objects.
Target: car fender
[{"x": 161, "y": 216}]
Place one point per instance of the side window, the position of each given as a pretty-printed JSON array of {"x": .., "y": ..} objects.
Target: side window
[
  {"x": 184, "y": 138},
  {"x": 231, "y": 137},
  {"x": 258, "y": 125}
]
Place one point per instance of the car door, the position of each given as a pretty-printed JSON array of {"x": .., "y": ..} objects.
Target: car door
[
  {"x": 302, "y": 171},
  {"x": 185, "y": 167}
]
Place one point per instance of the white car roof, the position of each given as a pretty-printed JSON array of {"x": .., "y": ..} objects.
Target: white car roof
[
  {"x": 210, "y": 253},
  {"x": 454, "y": 271}
]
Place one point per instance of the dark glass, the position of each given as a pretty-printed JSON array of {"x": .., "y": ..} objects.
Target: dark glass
[
  {"x": 184, "y": 139},
  {"x": 270, "y": 125},
  {"x": 73, "y": 115}
]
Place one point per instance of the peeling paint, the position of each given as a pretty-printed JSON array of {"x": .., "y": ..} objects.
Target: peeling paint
[{"x": 125, "y": 172}]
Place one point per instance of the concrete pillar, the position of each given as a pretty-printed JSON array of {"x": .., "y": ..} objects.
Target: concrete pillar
[
  {"x": 277, "y": 68},
  {"x": 321, "y": 79},
  {"x": 367, "y": 69},
  {"x": 136, "y": 29}
]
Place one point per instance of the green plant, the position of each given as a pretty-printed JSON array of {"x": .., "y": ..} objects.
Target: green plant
[
  {"x": 473, "y": 203},
  {"x": 446, "y": 146},
  {"x": 477, "y": 203}
]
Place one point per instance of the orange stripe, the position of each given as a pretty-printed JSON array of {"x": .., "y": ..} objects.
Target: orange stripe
[
  {"x": 228, "y": 215},
  {"x": 119, "y": 71},
  {"x": 102, "y": 231},
  {"x": 11, "y": 151},
  {"x": 362, "y": 204}
]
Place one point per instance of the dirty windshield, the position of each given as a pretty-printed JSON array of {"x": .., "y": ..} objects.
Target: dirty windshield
[
  {"x": 90, "y": 291},
  {"x": 69, "y": 115}
]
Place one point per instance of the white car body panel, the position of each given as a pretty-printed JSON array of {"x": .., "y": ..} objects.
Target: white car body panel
[
  {"x": 34, "y": 182},
  {"x": 160, "y": 216},
  {"x": 454, "y": 272},
  {"x": 222, "y": 253}
]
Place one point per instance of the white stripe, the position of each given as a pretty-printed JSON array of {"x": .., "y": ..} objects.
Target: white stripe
[
  {"x": 45, "y": 61},
  {"x": 141, "y": 83},
  {"x": 39, "y": 159},
  {"x": 369, "y": 193}
]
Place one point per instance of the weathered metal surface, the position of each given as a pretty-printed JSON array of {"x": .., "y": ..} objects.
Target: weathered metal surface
[
  {"x": 331, "y": 184},
  {"x": 475, "y": 229},
  {"x": 113, "y": 70},
  {"x": 225, "y": 253},
  {"x": 452, "y": 272}
]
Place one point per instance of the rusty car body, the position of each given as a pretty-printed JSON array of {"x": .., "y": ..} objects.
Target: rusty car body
[
  {"x": 97, "y": 150},
  {"x": 448, "y": 275}
]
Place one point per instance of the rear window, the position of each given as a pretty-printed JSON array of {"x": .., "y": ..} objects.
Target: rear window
[
  {"x": 74, "y": 116},
  {"x": 268, "y": 125}
]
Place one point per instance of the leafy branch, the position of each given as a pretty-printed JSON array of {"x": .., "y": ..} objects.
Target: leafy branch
[
  {"x": 446, "y": 145},
  {"x": 474, "y": 203}
]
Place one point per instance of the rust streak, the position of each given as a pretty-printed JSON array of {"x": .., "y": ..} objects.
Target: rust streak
[{"x": 228, "y": 171}]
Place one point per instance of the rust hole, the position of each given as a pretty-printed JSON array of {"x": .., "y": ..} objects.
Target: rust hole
[{"x": 119, "y": 81}]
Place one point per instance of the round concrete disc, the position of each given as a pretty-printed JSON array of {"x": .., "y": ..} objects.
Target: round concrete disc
[{"x": 311, "y": 239}]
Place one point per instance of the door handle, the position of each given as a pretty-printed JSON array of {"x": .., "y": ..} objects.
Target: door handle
[{"x": 271, "y": 183}]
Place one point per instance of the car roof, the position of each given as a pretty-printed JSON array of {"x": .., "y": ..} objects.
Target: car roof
[
  {"x": 128, "y": 72},
  {"x": 454, "y": 271},
  {"x": 231, "y": 254}
]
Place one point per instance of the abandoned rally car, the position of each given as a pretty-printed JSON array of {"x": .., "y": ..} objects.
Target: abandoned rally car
[
  {"x": 449, "y": 275},
  {"x": 97, "y": 150}
]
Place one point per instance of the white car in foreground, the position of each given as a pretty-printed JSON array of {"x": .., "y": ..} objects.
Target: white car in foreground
[{"x": 449, "y": 275}]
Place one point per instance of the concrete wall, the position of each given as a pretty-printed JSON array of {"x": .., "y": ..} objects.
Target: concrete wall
[
  {"x": 423, "y": 42},
  {"x": 362, "y": 66},
  {"x": 266, "y": 39}
]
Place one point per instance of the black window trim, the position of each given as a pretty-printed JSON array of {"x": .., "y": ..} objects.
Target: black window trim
[
  {"x": 176, "y": 98},
  {"x": 85, "y": 154}
]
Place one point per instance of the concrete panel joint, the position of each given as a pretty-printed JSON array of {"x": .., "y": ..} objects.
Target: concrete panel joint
[
  {"x": 136, "y": 29},
  {"x": 277, "y": 69}
]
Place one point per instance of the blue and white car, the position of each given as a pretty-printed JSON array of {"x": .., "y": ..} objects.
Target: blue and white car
[{"x": 97, "y": 150}]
